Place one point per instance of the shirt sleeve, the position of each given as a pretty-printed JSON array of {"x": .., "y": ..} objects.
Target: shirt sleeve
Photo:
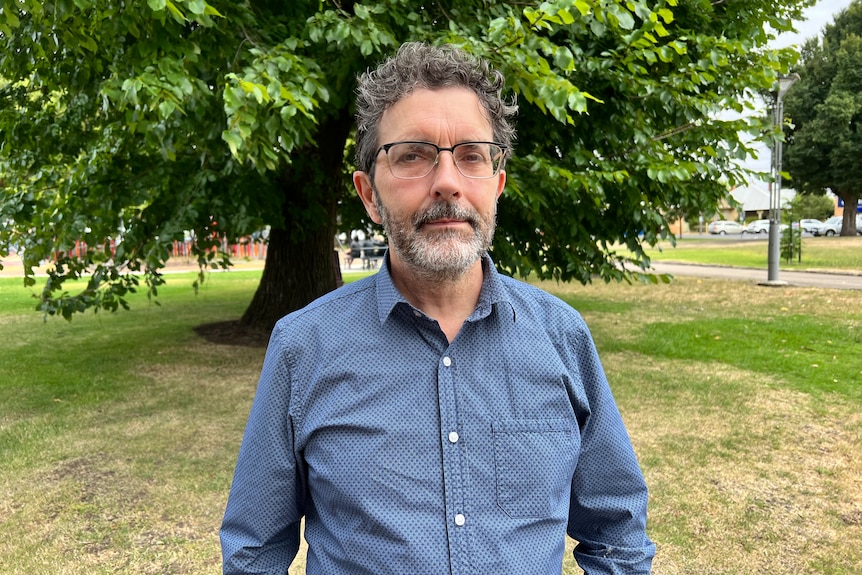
[
  {"x": 261, "y": 527},
  {"x": 608, "y": 510}
]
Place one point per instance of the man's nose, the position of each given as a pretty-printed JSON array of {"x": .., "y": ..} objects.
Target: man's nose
[{"x": 447, "y": 178}]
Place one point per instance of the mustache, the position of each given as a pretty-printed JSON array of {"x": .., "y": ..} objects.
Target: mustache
[{"x": 446, "y": 211}]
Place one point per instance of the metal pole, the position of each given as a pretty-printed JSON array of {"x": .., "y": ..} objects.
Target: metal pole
[
  {"x": 775, "y": 198},
  {"x": 774, "y": 254}
]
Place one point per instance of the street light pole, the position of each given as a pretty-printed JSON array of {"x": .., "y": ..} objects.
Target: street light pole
[{"x": 774, "y": 254}]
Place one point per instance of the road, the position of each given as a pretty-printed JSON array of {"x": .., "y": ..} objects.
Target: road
[{"x": 793, "y": 278}]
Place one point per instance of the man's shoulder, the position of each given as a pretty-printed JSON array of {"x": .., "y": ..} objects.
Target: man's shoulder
[
  {"x": 336, "y": 308},
  {"x": 521, "y": 293}
]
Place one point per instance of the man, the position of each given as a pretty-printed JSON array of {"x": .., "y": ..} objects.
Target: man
[{"x": 473, "y": 427}]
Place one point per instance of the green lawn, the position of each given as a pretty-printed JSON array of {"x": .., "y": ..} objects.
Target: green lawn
[
  {"x": 818, "y": 253},
  {"x": 118, "y": 432}
]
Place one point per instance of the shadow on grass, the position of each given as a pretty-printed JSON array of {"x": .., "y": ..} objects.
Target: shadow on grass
[{"x": 232, "y": 332}]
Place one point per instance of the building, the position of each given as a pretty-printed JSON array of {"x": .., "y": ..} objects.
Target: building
[{"x": 754, "y": 202}]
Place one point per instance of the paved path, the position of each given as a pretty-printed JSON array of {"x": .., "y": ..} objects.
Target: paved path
[{"x": 834, "y": 280}]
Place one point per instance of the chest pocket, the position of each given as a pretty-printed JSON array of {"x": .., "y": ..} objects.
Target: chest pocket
[{"x": 535, "y": 460}]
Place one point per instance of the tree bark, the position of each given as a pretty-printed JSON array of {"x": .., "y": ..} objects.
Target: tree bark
[
  {"x": 848, "y": 223},
  {"x": 299, "y": 260}
]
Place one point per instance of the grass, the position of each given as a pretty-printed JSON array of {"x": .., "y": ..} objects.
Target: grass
[
  {"x": 118, "y": 433},
  {"x": 818, "y": 253}
]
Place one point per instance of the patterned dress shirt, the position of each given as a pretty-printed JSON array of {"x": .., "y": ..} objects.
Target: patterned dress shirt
[{"x": 410, "y": 455}]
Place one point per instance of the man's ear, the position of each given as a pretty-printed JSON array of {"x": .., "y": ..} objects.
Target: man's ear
[
  {"x": 501, "y": 183},
  {"x": 362, "y": 183}
]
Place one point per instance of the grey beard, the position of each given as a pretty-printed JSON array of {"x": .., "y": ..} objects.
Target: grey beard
[{"x": 438, "y": 256}]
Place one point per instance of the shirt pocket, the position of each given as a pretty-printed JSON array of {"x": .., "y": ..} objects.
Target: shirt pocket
[{"x": 534, "y": 461}]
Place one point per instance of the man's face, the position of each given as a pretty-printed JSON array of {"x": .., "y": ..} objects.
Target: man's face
[{"x": 441, "y": 224}]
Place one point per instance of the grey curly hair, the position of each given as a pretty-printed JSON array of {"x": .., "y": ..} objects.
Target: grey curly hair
[{"x": 418, "y": 65}]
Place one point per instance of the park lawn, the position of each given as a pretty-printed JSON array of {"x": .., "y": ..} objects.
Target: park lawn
[
  {"x": 119, "y": 432},
  {"x": 818, "y": 253}
]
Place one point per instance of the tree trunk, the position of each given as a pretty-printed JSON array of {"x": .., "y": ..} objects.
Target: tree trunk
[
  {"x": 848, "y": 223},
  {"x": 299, "y": 261}
]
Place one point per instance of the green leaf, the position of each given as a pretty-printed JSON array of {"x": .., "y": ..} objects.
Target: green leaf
[
  {"x": 197, "y": 6},
  {"x": 175, "y": 12},
  {"x": 666, "y": 15},
  {"x": 12, "y": 19},
  {"x": 211, "y": 11},
  {"x": 626, "y": 20},
  {"x": 166, "y": 108},
  {"x": 234, "y": 141}
]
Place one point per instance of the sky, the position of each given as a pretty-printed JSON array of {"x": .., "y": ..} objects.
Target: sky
[{"x": 816, "y": 18}]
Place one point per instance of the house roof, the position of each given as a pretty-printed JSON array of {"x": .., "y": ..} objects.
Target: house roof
[{"x": 754, "y": 197}]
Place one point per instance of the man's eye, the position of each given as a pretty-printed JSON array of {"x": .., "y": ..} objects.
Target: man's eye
[
  {"x": 413, "y": 155},
  {"x": 472, "y": 156}
]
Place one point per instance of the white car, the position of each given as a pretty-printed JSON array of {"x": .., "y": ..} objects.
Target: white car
[
  {"x": 757, "y": 227},
  {"x": 809, "y": 225},
  {"x": 831, "y": 227},
  {"x": 722, "y": 227}
]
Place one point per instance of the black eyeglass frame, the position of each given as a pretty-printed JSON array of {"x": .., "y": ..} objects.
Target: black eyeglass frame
[{"x": 503, "y": 149}]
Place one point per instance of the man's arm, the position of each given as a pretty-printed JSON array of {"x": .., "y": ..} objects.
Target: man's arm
[
  {"x": 608, "y": 510},
  {"x": 261, "y": 528}
]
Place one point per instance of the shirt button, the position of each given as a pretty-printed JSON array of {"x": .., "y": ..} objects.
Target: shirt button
[
  {"x": 453, "y": 437},
  {"x": 447, "y": 361},
  {"x": 459, "y": 519}
]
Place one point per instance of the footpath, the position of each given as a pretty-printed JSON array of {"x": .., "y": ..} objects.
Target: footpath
[{"x": 831, "y": 279}]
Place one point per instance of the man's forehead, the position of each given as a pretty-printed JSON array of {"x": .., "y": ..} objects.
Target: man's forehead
[{"x": 427, "y": 111}]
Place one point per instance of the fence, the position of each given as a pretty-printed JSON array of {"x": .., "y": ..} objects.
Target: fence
[{"x": 247, "y": 247}]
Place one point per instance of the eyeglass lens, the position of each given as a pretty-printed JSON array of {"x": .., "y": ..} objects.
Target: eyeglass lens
[{"x": 410, "y": 160}]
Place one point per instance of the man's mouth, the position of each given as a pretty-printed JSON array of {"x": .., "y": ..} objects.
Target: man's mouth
[
  {"x": 446, "y": 222},
  {"x": 445, "y": 215}
]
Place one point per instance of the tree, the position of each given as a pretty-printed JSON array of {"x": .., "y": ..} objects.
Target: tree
[
  {"x": 134, "y": 122},
  {"x": 809, "y": 206},
  {"x": 824, "y": 142}
]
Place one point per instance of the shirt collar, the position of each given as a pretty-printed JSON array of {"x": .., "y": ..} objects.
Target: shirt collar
[{"x": 492, "y": 291}]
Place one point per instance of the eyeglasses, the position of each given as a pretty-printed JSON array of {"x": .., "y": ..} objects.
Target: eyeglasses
[{"x": 413, "y": 160}]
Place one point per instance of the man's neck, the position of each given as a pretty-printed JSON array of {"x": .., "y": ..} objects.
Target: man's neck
[{"x": 449, "y": 301}]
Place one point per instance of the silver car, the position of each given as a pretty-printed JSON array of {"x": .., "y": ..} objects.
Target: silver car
[
  {"x": 809, "y": 225},
  {"x": 831, "y": 227},
  {"x": 722, "y": 227},
  {"x": 757, "y": 227}
]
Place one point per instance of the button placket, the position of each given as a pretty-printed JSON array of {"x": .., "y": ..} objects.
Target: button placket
[{"x": 453, "y": 471}]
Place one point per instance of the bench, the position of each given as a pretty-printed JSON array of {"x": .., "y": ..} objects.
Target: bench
[{"x": 371, "y": 256}]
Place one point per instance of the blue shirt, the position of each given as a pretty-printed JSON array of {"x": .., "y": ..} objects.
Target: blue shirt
[{"x": 410, "y": 455}]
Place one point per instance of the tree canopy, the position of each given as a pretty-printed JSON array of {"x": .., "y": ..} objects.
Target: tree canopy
[
  {"x": 130, "y": 124},
  {"x": 824, "y": 139}
]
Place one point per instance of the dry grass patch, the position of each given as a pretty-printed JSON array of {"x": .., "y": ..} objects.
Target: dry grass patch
[
  {"x": 756, "y": 482},
  {"x": 140, "y": 486}
]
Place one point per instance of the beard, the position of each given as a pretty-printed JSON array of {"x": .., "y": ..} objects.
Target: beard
[{"x": 438, "y": 255}]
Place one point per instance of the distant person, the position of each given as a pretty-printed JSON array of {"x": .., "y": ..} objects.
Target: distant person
[
  {"x": 368, "y": 249},
  {"x": 473, "y": 427},
  {"x": 355, "y": 252}
]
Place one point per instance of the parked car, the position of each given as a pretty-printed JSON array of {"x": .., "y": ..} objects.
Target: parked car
[
  {"x": 723, "y": 227},
  {"x": 757, "y": 227},
  {"x": 831, "y": 227},
  {"x": 809, "y": 225}
]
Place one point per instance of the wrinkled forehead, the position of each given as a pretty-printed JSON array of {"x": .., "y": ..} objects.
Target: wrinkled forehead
[{"x": 451, "y": 114}]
